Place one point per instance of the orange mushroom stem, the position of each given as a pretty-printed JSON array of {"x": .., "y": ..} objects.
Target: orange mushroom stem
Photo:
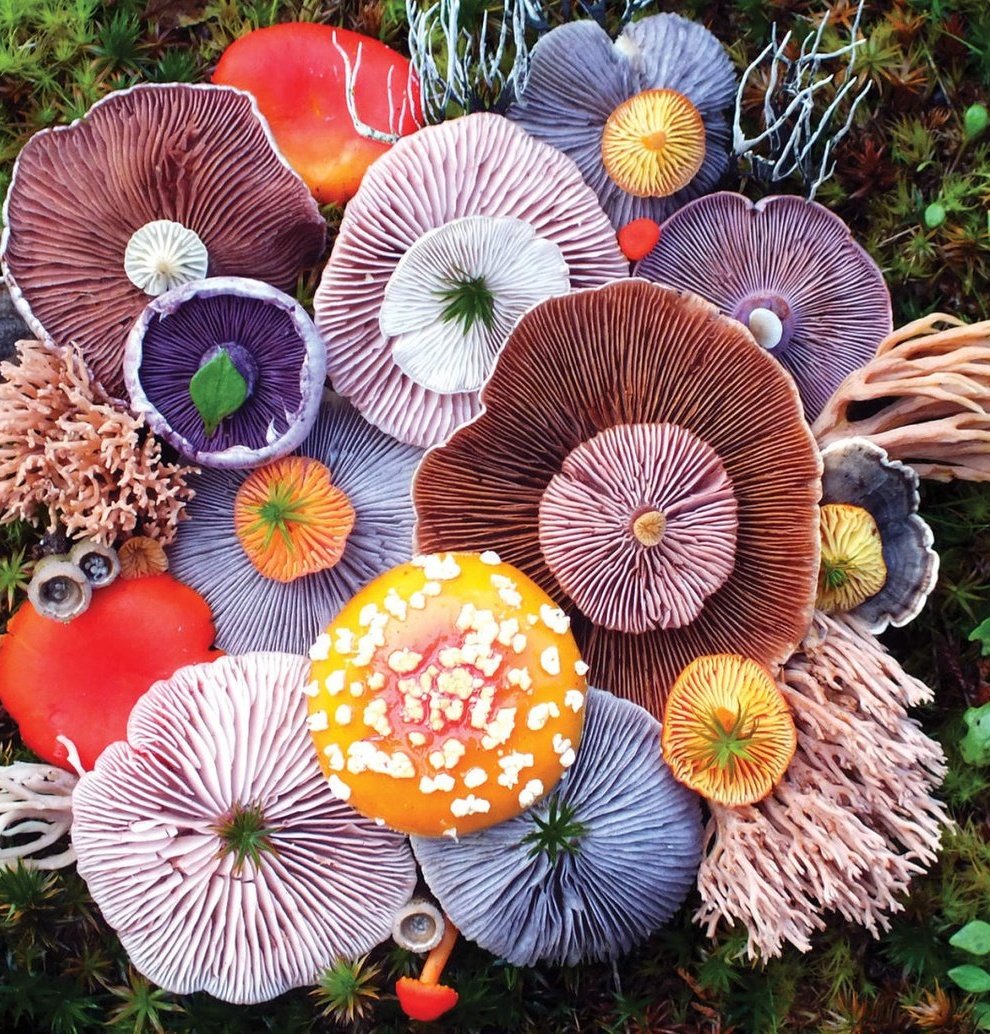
[{"x": 427, "y": 999}]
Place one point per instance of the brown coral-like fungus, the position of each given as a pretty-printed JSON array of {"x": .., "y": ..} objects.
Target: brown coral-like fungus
[
  {"x": 853, "y": 819},
  {"x": 924, "y": 398},
  {"x": 70, "y": 455},
  {"x": 647, "y": 464}
]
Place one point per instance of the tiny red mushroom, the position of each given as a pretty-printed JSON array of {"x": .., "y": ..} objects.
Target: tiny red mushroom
[
  {"x": 301, "y": 75},
  {"x": 426, "y": 999},
  {"x": 638, "y": 238}
]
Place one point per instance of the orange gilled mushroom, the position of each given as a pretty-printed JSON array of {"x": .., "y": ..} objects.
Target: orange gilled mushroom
[
  {"x": 447, "y": 696},
  {"x": 426, "y": 998},
  {"x": 727, "y": 730}
]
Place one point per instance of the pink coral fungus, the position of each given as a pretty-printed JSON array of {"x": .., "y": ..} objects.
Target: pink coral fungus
[
  {"x": 853, "y": 819},
  {"x": 71, "y": 455}
]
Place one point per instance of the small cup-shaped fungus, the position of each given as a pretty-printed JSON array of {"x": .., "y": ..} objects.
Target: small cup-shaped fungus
[
  {"x": 454, "y": 234},
  {"x": 59, "y": 589},
  {"x": 418, "y": 926},
  {"x": 213, "y": 846},
  {"x": 727, "y": 730},
  {"x": 279, "y": 550},
  {"x": 448, "y": 695},
  {"x": 587, "y": 873},
  {"x": 790, "y": 271},
  {"x": 100, "y": 564},
  {"x": 156, "y": 186},
  {"x": 642, "y": 117},
  {"x": 646, "y": 463},
  {"x": 230, "y": 371},
  {"x": 79, "y": 681},
  {"x": 335, "y": 100},
  {"x": 877, "y": 560}
]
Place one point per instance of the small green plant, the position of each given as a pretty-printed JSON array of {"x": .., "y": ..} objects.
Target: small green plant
[{"x": 974, "y": 940}]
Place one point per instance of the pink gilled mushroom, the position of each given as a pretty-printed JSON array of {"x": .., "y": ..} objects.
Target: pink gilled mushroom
[
  {"x": 156, "y": 186},
  {"x": 212, "y": 844},
  {"x": 453, "y": 235}
]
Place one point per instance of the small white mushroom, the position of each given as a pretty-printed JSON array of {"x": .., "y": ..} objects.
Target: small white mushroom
[{"x": 766, "y": 327}]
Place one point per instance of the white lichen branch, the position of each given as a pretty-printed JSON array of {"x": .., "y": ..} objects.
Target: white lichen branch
[
  {"x": 796, "y": 139},
  {"x": 35, "y": 814}
]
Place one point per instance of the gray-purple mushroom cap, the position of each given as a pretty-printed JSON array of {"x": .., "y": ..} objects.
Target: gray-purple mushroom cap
[
  {"x": 589, "y": 872},
  {"x": 241, "y": 329},
  {"x": 454, "y": 233},
  {"x": 579, "y": 79},
  {"x": 790, "y": 271},
  {"x": 859, "y": 473},
  {"x": 252, "y": 611},
  {"x": 155, "y": 186},
  {"x": 212, "y": 844}
]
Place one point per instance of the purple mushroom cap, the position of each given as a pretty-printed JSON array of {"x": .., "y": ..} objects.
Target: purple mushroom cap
[
  {"x": 579, "y": 76},
  {"x": 271, "y": 342},
  {"x": 212, "y": 844},
  {"x": 789, "y": 270},
  {"x": 626, "y": 856}
]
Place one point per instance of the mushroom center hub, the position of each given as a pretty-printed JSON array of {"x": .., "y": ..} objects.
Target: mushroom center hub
[
  {"x": 458, "y": 291},
  {"x": 639, "y": 526},
  {"x": 768, "y": 318},
  {"x": 291, "y": 519},
  {"x": 162, "y": 255},
  {"x": 852, "y": 565},
  {"x": 654, "y": 143}
]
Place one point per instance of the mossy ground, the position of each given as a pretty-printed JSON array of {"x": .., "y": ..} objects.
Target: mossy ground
[{"x": 929, "y": 61}]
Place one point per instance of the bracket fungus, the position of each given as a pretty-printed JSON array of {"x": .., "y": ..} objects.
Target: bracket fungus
[
  {"x": 924, "y": 399},
  {"x": 853, "y": 820},
  {"x": 277, "y": 551},
  {"x": 643, "y": 116},
  {"x": 244, "y": 876},
  {"x": 592, "y": 870},
  {"x": 648, "y": 465},
  {"x": 230, "y": 371},
  {"x": 335, "y": 100},
  {"x": 448, "y": 695},
  {"x": 727, "y": 730},
  {"x": 892, "y": 563},
  {"x": 155, "y": 186},
  {"x": 453, "y": 235},
  {"x": 790, "y": 271},
  {"x": 78, "y": 681}
]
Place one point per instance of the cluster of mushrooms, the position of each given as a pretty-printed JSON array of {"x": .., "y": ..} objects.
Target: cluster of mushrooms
[{"x": 558, "y": 605}]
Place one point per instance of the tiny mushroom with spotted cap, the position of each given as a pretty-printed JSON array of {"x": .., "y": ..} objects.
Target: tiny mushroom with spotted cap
[
  {"x": 643, "y": 116},
  {"x": 453, "y": 235},
  {"x": 448, "y": 695},
  {"x": 645, "y": 462},
  {"x": 790, "y": 271},
  {"x": 727, "y": 730},
  {"x": 877, "y": 560},
  {"x": 154, "y": 187},
  {"x": 228, "y": 370},
  {"x": 246, "y": 876},
  {"x": 278, "y": 551},
  {"x": 592, "y": 870}
]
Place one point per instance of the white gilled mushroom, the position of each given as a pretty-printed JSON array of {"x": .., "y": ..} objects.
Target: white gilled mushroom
[{"x": 211, "y": 842}]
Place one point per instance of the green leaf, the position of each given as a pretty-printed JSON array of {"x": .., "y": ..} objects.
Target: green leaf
[
  {"x": 974, "y": 937},
  {"x": 971, "y": 979},
  {"x": 217, "y": 389},
  {"x": 975, "y": 745},
  {"x": 934, "y": 215},
  {"x": 981, "y": 1015},
  {"x": 981, "y": 635},
  {"x": 975, "y": 120}
]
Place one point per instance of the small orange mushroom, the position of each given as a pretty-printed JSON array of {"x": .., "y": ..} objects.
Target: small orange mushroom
[
  {"x": 448, "y": 695},
  {"x": 426, "y": 999},
  {"x": 638, "y": 238},
  {"x": 727, "y": 730},
  {"x": 299, "y": 74}
]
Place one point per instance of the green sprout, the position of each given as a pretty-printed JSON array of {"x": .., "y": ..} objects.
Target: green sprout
[
  {"x": 347, "y": 990},
  {"x": 15, "y": 573},
  {"x": 557, "y": 833},
  {"x": 245, "y": 835},
  {"x": 467, "y": 299}
]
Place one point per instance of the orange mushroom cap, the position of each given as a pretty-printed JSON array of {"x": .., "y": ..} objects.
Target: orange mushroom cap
[
  {"x": 638, "y": 238},
  {"x": 297, "y": 72},
  {"x": 426, "y": 999},
  {"x": 727, "y": 730},
  {"x": 448, "y": 695},
  {"x": 81, "y": 679}
]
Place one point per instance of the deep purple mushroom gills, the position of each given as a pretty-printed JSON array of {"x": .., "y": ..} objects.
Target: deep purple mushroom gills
[
  {"x": 791, "y": 272},
  {"x": 230, "y": 371},
  {"x": 154, "y": 187}
]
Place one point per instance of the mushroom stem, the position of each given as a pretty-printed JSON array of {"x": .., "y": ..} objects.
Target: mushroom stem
[
  {"x": 649, "y": 527},
  {"x": 437, "y": 959},
  {"x": 766, "y": 326}
]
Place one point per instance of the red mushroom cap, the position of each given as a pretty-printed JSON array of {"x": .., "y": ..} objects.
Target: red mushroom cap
[
  {"x": 638, "y": 238},
  {"x": 298, "y": 74},
  {"x": 81, "y": 679},
  {"x": 424, "y": 1001}
]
